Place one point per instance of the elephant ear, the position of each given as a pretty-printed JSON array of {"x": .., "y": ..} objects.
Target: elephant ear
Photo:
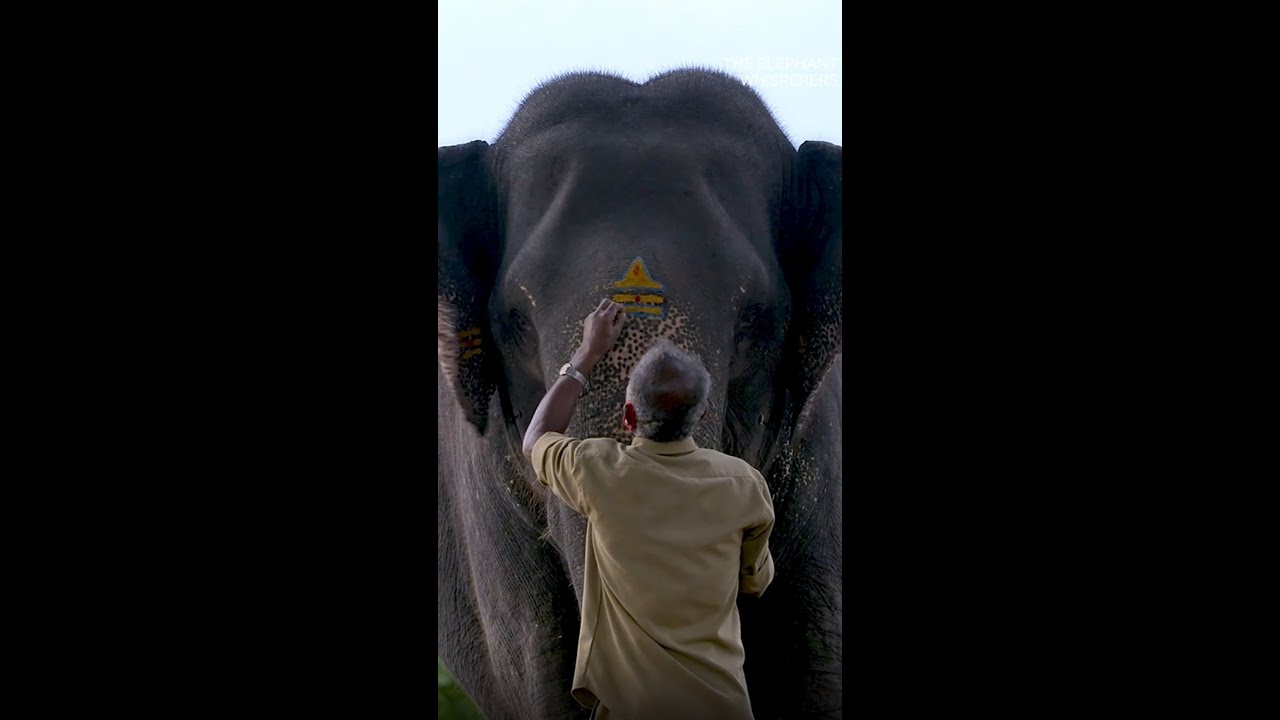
[
  {"x": 813, "y": 260},
  {"x": 466, "y": 248}
]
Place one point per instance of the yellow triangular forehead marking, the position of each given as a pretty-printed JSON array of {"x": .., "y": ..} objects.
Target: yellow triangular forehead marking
[{"x": 637, "y": 276}]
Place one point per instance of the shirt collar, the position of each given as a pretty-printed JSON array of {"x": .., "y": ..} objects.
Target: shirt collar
[{"x": 687, "y": 445}]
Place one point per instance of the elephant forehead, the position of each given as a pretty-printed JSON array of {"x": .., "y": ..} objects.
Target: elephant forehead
[{"x": 643, "y": 280}]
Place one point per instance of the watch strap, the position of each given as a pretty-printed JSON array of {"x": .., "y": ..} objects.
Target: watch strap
[{"x": 571, "y": 371}]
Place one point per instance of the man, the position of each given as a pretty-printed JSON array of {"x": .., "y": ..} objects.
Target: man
[{"x": 674, "y": 533}]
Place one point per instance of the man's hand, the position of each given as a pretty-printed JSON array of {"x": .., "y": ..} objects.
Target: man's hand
[{"x": 599, "y": 333}]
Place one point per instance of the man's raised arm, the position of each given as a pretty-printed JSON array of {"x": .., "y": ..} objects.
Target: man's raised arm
[{"x": 599, "y": 332}]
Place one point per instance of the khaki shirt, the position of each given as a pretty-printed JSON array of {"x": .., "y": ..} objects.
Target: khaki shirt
[{"x": 674, "y": 532}]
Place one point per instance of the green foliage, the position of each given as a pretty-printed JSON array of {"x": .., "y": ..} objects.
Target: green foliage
[{"x": 452, "y": 702}]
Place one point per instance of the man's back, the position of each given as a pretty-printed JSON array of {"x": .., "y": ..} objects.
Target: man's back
[{"x": 674, "y": 533}]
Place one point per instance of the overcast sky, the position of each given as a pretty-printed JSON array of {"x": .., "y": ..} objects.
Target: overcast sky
[{"x": 493, "y": 52}]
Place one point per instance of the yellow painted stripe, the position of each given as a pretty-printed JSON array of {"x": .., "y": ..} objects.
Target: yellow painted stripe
[
  {"x": 643, "y": 309},
  {"x": 469, "y": 333},
  {"x": 470, "y": 353},
  {"x": 629, "y": 283},
  {"x": 655, "y": 299}
]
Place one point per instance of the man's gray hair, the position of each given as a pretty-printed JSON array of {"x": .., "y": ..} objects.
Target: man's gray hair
[{"x": 669, "y": 388}]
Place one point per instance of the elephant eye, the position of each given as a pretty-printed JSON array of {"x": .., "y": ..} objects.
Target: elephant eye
[
  {"x": 518, "y": 321},
  {"x": 749, "y": 319}
]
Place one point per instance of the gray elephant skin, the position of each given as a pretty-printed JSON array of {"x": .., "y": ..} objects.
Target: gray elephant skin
[{"x": 683, "y": 198}]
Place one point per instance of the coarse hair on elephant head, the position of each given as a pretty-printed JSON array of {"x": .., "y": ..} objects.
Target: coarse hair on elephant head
[
  {"x": 667, "y": 394},
  {"x": 688, "y": 177}
]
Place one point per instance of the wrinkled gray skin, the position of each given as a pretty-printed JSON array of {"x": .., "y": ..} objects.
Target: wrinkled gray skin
[{"x": 690, "y": 173}]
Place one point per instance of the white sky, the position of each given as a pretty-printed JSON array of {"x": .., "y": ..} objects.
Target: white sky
[{"x": 493, "y": 52}]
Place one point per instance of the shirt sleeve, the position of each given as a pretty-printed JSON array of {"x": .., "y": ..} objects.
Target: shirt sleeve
[
  {"x": 557, "y": 461},
  {"x": 757, "y": 563}
]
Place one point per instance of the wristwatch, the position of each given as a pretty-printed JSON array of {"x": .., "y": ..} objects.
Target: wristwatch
[{"x": 572, "y": 372}]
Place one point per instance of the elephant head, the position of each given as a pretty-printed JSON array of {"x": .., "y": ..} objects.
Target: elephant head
[{"x": 681, "y": 198}]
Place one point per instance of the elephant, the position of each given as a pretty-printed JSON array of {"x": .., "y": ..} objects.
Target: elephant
[{"x": 682, "y": 198}]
